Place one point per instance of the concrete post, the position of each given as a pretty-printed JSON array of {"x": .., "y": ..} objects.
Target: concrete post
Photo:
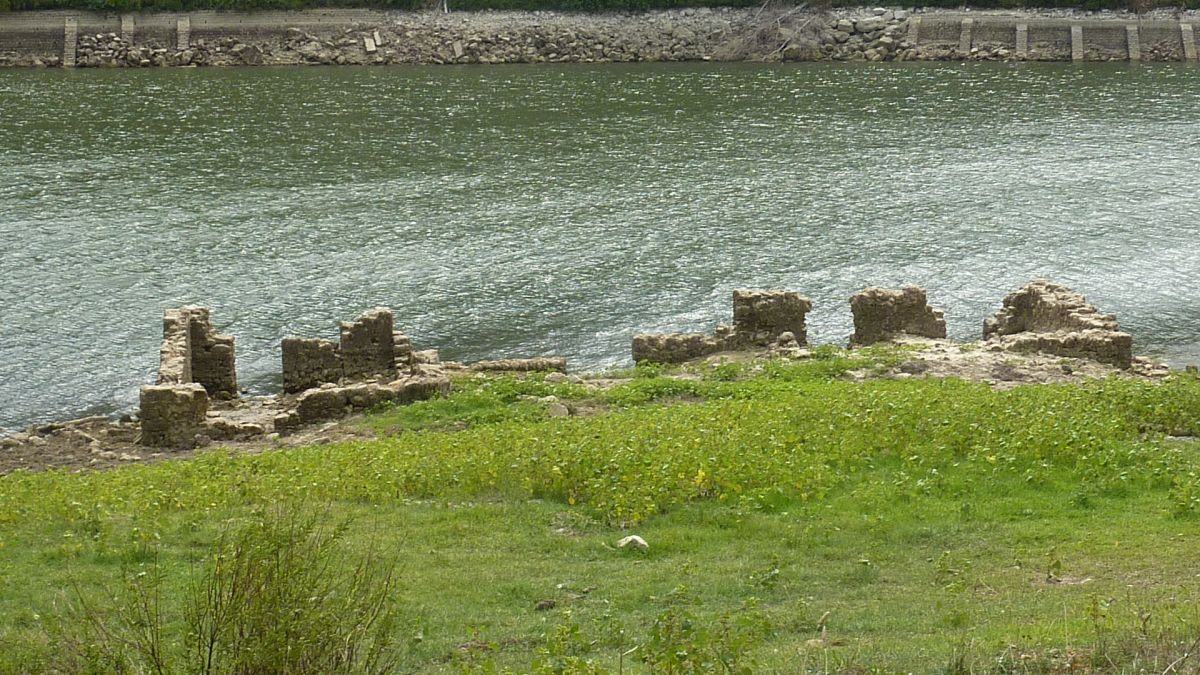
[
  {"x": 1022, "y": 40},
  {"x": 1076, "y": 42},
  {"x": 70, "y": 41},
  {"x": 183, "y": 33},
  {"x": 1133, "y": 42},
  {"x": 1189, "y": 41},
  {"x": 964, "y": 36},
  {"x": 914, "y": 29},
  {"x": 127, "y": 28}
]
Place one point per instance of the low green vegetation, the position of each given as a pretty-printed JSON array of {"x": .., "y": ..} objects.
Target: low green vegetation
[{"x": 796, "y": 520}]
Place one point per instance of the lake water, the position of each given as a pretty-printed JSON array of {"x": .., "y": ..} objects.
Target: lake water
[{"x": 533, "y": 210}]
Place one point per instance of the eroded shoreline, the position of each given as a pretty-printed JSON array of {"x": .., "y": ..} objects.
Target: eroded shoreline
[{"x": 1043, "y": 334}]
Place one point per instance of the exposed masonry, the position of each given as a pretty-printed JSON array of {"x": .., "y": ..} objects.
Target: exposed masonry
[
  {"x": 195, "y": 364},
  {"x": 760, "y": 319},
  {"x": 1049, "y": 318},
  {"x": 368, "y": 348},
  {"x": 192, "y": 351},
  {"x": 361, "y": 37},
  {"x": 373, "y": 364},
  {"x": 883, "y": 314},
  {"x": 1041, "y": 317}
]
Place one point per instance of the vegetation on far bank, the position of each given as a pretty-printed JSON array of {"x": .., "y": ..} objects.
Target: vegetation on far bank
[
  {"x": 534, "y": 5},
  {"x": 796, "y": 521}
]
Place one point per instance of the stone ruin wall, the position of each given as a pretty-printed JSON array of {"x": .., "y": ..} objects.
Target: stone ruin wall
[
  {"x": 883, "y": 314},
  {"x": 372, "y": 364},
  {"x": 760, "y": 318},
  {"x": 1041, "y": 317},
  {"x": 1052, "y": 319},
  {"x": 195, "y": 363},
  {"x": 369, "y": 348}
]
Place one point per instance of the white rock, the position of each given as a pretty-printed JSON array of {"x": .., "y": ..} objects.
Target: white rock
[
  {"x": 556, "y": 378},
  {"x": 633, "y": 541},
  {"x": 558, "y": 410}
]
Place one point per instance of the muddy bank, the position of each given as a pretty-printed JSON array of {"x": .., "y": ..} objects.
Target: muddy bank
[{"x": 365, "y": 37}]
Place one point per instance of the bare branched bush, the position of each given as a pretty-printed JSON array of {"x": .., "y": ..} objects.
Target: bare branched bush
[
  {"x": 774, "y": 29},
  {"x": 275, "y": 596}
]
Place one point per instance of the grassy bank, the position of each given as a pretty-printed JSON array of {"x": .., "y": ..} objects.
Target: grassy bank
[{"x": 796, "y": 520}]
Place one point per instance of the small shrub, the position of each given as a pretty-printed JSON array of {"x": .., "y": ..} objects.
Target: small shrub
[{"x": 275, "y": 597}]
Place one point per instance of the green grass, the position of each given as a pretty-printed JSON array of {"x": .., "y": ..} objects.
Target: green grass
[{"x": 936, "y": 525}]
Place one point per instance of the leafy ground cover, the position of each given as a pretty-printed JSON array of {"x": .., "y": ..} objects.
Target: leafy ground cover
[{"x": 796, "y": 522}]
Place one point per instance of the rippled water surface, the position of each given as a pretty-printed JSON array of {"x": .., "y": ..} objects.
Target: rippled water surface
[{"x": 538, "y": 210}]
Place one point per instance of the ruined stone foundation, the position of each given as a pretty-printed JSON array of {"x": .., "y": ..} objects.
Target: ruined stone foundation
[
  {"x": 760, "y": 318},
  {"x": 882, "y": 314},
  {"x": 1053, "y": 319},
  {"x": 371, "y": 365},
  {"x": 195, "y": 363}
]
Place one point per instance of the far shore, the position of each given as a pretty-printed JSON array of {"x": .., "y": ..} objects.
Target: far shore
[{"x": 376, "y": 37}]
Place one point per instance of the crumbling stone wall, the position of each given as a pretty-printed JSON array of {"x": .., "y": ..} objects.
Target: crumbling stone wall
[
  {"x": 760, "y": 317},
  {"x": 332, "y": 402},
  {"x": 309, "y": 363},
  {"x": 1046, "y": 317},
  {"x": 195, "y": 362},
  {"x": 1044, "y": 307},
  {"x": 881, "y": 314},
  {"x": 213, "y": 362},
  {"x": 175, "y": 354},
  {"x": 368, "y": 346},
  {"x": 402, "y": 352},
  {"x": 172, "y": 414},
  {"x": 192, "y": 351},
  {"x": 676, "y": 347}
]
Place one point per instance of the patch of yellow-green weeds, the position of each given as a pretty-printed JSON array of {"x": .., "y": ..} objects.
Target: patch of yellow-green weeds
[{"x": 797, "y": 521}]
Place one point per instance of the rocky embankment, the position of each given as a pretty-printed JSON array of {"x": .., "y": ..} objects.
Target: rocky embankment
[{"x": 700, "y": 34}]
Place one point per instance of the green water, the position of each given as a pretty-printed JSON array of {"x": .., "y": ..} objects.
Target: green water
[{"x": 534, "y": 209}]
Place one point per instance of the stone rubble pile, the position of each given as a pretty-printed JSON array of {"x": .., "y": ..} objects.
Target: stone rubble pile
[{"x": 109, "y": 50}]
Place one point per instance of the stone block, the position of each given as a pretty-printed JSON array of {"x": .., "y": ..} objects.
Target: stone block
[
  {"x": 418, "y": 388},
  {"x": 881, "y": 314},
  {"x": 402, "y": 352},
  {"x": 318, "y": 405},
  {"x": 760, "y": 317},
  {"x": 171, "y": 415},
  {"x": 368, "y": 345},
  {"x": 309, "y": 363}
]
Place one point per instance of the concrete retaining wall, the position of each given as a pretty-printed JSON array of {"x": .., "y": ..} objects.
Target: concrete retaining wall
[{"x": 41, "y": 34}]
